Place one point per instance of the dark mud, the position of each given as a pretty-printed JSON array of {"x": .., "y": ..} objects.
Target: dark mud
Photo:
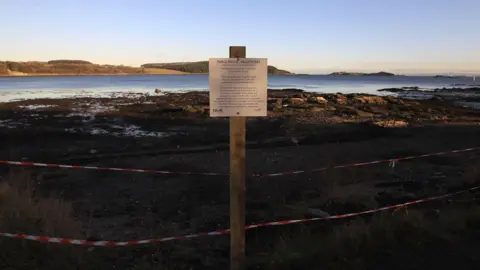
[{"x": 174, "y": 132}]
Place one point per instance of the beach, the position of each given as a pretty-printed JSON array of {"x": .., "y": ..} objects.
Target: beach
[{"x": 173, "y": 132}]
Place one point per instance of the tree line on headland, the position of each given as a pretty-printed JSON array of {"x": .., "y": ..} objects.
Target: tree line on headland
[{"x": 201, "y": 67}]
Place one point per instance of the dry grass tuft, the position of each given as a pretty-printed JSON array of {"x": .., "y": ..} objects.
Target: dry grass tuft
[
  {"x": 22, "y": 211},
  {"x": 393, "y": 240},
  {"x": 472, "y": 174}
]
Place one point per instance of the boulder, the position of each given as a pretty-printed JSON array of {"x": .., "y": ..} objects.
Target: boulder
[
  {"x": 391, "y": 124},
  {"x": 274, "y": 104},
  {"x": 370, "y": 100},
  {"x": 158, "y": 91},
  {"x": 274, "y": 101},
  {"x": 394, "y": 100},
  {"x": 340, "y": 99},
  {"x": 295, "y": 100},
  {"x": 346, "y": 110},
  {"x": 364, "y": 113},
  {"x": 319, "y": 100}
]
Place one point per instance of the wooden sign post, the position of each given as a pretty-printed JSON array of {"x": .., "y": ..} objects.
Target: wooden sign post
[
  {"x": 237, "y": 182},
  {"x": 238, "y": 89}
]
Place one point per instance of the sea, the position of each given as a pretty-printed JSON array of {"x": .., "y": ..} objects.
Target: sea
[{"x": 22, "y": 88}]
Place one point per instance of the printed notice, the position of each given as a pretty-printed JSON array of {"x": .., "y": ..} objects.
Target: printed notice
[{"x": 238, "y": 87}]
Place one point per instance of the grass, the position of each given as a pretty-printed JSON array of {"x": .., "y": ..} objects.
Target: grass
[
  {"x": 419, "y": 237},
  {"x": 393, "y": 240},
  {"x": 73, "y": 67},
  {"x": 80, "y": 67},
  {"x": 442, "y": 234},
  {"x": 23, "y": 211}
]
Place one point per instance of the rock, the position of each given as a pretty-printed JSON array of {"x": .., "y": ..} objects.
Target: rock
[
  {"x": 274, "y": 104},
  {"x": 171, "y": 109},
  {"x": 393, "y": 100},
  {"x": 274, "y": 101},
  {"x": 190, "y": 108},
  {"x": 364, "y": 113},
  {"x": 341, "y": 99},
  {"x": 158, "y": 91},
  {"x": 346, "y": 110},
  {"x": 391, "y": 124},
  {"x": 295, "y": 100},
  {"x": 319, "y": 100},
  {"x": 317, "y": 109},
  {"x": 317, "y": 212},
  {"x": 370, "y": 100},
  {"x": 393, "y": 90},
  {"x": 382, "y": 110},
  {"x": 274, "y": 107},
  {"x": 195, "y": 109}
]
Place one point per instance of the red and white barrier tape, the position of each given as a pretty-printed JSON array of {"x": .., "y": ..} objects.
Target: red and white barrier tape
[
  {"x": 390, "y": 161},
  {"x": 63, "y": 166},
  {"x": 50, "y": 239}
]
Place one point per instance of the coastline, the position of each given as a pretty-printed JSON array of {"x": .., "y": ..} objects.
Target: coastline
[
  {"x": 118, "y": 74},
  {"x": 165, "y": 72},
  {"x": 173, "y": 132}
]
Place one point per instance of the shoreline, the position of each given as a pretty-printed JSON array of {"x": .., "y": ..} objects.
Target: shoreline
[
  {"x": 86, "y": 75},
  {"x": 126, "y": 74},
  {"x": 173, "y": 132}
]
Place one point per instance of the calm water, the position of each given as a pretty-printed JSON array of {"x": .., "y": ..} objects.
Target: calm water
[{"x": 66, "y": 86}]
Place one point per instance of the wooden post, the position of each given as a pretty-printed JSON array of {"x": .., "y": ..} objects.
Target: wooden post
[{"x": 237, "y": 182}]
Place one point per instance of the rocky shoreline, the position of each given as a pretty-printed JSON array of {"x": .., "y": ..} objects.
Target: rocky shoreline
[
  {"x": 173, "y": 132},
  {"x": 182, "y": 119}
]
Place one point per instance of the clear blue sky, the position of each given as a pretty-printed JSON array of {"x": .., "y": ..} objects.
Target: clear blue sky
[{"x": 407, "y": 36}]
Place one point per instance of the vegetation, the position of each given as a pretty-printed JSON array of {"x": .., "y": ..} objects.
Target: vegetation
[
  {"x": 405, "y": 239},
  {"x": 78, "y": 62},
  {"x": 201, "y": 67},
  {"x": 63, "y": 67},
  {"x": 72, "y": 67},
  {"x": 80, "y": 67},
  {"x": 190, "y": 67},
  {"x": 400, "y": 239},
  {"x": 24, "y": 211}
]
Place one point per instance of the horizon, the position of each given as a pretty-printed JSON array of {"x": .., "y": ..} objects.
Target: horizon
[
  {"x": 427, "y": 38},
  {"x": 294, "y": 73}
]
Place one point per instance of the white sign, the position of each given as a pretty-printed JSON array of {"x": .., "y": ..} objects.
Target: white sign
[{"x": 238, "y": 87}]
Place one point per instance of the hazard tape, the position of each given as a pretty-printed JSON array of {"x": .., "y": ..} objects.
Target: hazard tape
[
  {"x": 391, "y": 162},
  {"x": 59, "y": 240},
  {"x": 63, "y": 166}
]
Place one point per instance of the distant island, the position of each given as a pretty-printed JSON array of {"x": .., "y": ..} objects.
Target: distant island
[
  {"x": 449, "y": 76},
  {"x": 81, "y": 67},
  {"x": 343, "y": 73}
]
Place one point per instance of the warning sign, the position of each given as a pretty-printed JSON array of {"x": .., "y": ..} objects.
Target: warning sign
[{"x": 238, "y": 87}]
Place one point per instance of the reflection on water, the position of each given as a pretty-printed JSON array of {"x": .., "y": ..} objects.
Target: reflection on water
[{"x": 106, "y": 86}]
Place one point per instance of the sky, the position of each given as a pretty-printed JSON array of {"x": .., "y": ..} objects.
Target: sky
[{"x": 303, "y": 36}]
